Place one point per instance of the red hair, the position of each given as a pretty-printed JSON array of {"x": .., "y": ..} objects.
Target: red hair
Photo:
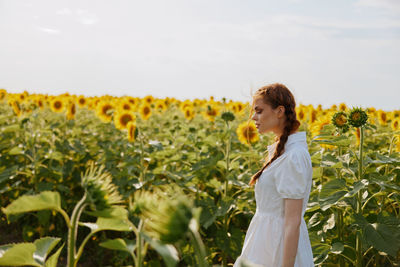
[{"x": 275, "y": 95}]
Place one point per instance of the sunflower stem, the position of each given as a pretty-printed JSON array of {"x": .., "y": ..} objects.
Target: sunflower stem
[
  {"x": 390, "y": 152},
  {"x": 198, "y": 248},
  {"x": 73, "y": 231},
  {"x": 138, "y": 258},
  {"x": 141, "y": 178},
  {"x": 359, "y": 199}
]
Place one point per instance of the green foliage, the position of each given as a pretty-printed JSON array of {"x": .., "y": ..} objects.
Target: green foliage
[
  {"x": 32, "y": 254},
  {"x": 44, "y": 157}
]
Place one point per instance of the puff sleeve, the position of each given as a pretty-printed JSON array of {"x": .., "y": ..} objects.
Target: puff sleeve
[{"x": 291, "y": 178}]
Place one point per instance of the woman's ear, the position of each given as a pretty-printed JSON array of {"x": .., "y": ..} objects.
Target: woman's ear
[{"x": 280, "y": 111}]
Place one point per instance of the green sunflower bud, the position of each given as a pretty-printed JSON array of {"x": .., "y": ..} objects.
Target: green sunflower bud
[
  {"x": 228, "y": 116},
  {"x": 357, "y": 117},
  {"x": 339, "y": 119}
]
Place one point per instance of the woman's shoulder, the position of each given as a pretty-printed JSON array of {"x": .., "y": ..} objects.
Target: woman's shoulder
[{"x": 298, "y": 155}]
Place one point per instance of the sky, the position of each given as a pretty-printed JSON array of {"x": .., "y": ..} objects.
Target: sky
[{"x": 326, "y": 52}]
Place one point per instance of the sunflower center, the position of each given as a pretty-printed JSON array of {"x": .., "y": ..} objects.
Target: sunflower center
[
  {"x": 249, "y": 132},
  {"x": 356, "y": 116},
  {"x": 106, "y": 108},
  {"x": 57, "y": 104},
  {"x": 125, "y": 119},
  {"x": 341, "y": 120}
]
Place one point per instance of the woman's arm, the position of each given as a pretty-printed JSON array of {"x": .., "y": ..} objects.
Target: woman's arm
[{"x": 293, "y": 208}]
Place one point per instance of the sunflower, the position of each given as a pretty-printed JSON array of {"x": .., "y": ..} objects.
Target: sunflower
[
  {"x": 131, "y": 100},
  {"x": 339, "y": 119},
  {"x": 122, "y": 118},
  {"x": 57, "y": 104},
  {"x": 125, "y": 105},
  {"x": 131, "y": 126},
  {"x": 301, "y": 114},
  {"x": 22, "y": 96},
  {"x": 342, "y": 107},
  {"x": 228, "y": 116},
  {"x": 189, "y": 113},
  {"x": 382, "y": 117},
  {"x": 168, "y": 210},
  {"x": 357, "y": 117},
  {"x": 211, "y": 112},
  {"x": 16, "y": 107},
  {"x": 101, "y": 192},
  {"x": 395, "y": 124},
  {"x": 82, "y": 101},
  {"x": 240, "y": 106},
  {"x": 145, "y": 111},
  {"x": 185, "y": 104},
  {"x": 160, "y": 106},
  {"x": 148, "y": 99},
  {"x": 3, "y": 94},
  {"x": 247, "y": 133},
  {"x": 71, "y": 110},
  {"x": 39, "y": 102},
  {"x": 105, "y": 110},
  {"x": 318, "y": 126},
  {"x": 312, "y": 115}
]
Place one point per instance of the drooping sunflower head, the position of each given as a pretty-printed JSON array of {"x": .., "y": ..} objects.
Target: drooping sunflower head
[
  {"x": 395, "y": 124},
  {"x": 16, "y": 107},
  {"x": 312, "y": 115},
  {"x": 3, "y": 94},
  {"x": 247, "y": 132},
  {"x": 145, "y": 111},
  {"x": 71, "y": 110},
  {"x": 357, "y": 117},
  {"x": 301, "y": 114},
  {"x": 101, "y": 193},
  {"x": 132, "y": 133},
  {"x": 168, "y": 212}
]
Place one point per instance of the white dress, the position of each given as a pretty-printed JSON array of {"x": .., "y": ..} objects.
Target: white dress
[{"x": 288, "y": 176}]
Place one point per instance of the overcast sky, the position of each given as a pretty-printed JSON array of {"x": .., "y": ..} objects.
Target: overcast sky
[{"x": 326, "y": 52}]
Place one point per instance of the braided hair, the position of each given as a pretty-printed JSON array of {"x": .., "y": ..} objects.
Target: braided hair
[{"x": 277, "y": 94}]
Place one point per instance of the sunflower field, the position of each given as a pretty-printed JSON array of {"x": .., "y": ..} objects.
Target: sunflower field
[{"x": 129, "y": 181}]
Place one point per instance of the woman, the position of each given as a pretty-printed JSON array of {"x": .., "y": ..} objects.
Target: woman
[{"x": 277, "y": 235}]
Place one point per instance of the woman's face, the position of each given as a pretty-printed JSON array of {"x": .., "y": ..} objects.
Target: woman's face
[{"x": 266, "y": 118}]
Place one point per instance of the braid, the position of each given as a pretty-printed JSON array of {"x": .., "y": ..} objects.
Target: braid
[{"x": 278, "y": 94}]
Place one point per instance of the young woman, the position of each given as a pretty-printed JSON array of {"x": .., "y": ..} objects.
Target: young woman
[{"x": 277, "y": 235}]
